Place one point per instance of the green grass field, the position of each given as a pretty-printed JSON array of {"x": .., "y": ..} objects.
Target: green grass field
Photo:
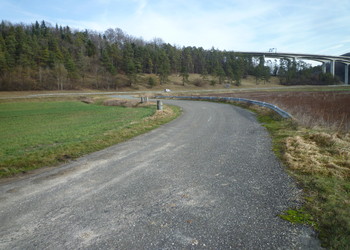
[{"x": 41, "y": 133}]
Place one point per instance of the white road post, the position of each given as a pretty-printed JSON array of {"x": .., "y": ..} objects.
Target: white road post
[{"x": 159, "y": 105}]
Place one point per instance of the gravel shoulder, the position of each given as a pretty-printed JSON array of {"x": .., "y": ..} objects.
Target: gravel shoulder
[{"x": 206, "y": 180}]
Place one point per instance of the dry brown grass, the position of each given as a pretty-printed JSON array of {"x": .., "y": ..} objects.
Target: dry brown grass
[
  {"x": 330, "y": 109},
  {"x": 196, "y": 82},
  {"x": 319, "y": 153},
  {"x": 319, "y": 160},
  {"x": 159, "y": 114},
  {"x": 129, "y": 103},
  {"x": 121, "y": 102}
]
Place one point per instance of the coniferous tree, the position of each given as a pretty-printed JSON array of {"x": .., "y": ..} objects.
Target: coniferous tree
[
  {"x": 10, "y": 49},
  {"x": 36, "y": 55},
  {"x": 128, "y": 63},
  {"x": 164, "y": 67}
]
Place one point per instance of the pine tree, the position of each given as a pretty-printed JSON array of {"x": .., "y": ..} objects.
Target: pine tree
[
  {"x": 3, "y": 64},
  {"x": 129, "y": 64},
  {"x": 164, "y": 67},
  {"x": 10, "y": 49}
]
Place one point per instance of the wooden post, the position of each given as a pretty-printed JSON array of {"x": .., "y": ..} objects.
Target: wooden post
[{"x": 144, "y": 99}]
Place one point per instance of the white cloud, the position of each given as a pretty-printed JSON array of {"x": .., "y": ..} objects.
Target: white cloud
[{"x": 141, "y": 6}]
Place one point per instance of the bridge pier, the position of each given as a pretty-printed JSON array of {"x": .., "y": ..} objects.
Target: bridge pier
[
  {"x": 294, "y": 61},
  {"x": 324, "y": 67},
  {"x": 346, "y": 78},
  {"x": 332, "y": 67}
]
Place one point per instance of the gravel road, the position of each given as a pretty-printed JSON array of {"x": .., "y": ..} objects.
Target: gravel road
[{"x": 207, "y": 180}]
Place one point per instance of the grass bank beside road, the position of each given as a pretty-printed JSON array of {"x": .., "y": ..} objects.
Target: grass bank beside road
[
  {"x": 319, "y": 160},
  {"x": 39, "y": 133}
]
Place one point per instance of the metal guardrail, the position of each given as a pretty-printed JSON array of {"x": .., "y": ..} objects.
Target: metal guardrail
[{"x": 279, "y": 111}]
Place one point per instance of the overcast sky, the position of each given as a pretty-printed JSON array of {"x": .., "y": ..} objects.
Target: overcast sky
[{"x": 299, "y": 26}]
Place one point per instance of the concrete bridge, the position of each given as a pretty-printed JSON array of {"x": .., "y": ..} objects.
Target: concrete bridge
[{"x": 332, "y": 60}]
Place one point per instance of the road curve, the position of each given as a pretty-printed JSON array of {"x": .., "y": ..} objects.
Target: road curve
[{"x": 205, "y": 180}]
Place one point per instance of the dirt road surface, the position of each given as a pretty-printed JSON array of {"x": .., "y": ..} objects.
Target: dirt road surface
[{"x": 207, "y": 180}]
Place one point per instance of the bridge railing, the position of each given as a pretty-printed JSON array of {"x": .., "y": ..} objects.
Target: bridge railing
[{"x": 278, "y": 110}]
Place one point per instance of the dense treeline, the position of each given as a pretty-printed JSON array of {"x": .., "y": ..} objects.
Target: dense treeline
[{"x": 40, "y": 56}]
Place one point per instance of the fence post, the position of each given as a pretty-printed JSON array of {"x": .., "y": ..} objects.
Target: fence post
[{"x": 144, "y": 99}]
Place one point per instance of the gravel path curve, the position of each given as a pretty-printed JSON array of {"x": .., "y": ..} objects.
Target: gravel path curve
[{"x": 207, "y": 180}]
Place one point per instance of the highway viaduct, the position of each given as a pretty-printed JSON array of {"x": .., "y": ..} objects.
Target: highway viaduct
[{"x": 319, "y": 58}]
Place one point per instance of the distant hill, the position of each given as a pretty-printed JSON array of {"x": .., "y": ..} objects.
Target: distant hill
[{"x": 40, "y": 56}]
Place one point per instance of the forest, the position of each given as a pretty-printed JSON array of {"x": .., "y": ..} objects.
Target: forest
[{"x": 40, "y": 56}]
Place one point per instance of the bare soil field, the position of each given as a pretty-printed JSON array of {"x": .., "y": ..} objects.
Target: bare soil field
[{"x": 311, "y": 108}]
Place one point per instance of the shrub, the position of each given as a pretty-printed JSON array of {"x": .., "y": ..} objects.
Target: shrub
[
  {"x": 151, "y": 82},
  {"x": 199, "y": 82}
]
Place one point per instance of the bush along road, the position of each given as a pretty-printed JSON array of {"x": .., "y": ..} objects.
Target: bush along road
[{"x": 206, "y": 180}]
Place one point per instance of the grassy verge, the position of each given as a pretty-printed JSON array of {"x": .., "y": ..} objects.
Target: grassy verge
[
  {"x": 41, "y": 133},
  {"x": 320, "y": 162}
]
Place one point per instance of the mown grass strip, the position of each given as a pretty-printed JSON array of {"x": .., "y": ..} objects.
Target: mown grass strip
[
  {"x": 319, "y": 160},
  {"x": 41, "y": 133}
]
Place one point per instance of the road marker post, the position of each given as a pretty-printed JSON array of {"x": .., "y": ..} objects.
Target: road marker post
[{"x": 159, "y": 105}]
